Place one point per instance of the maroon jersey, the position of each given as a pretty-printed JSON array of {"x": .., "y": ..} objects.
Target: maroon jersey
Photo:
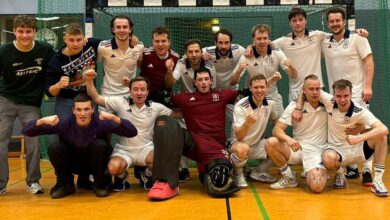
[
  {"x": 205, "y": 113},
  {"x": 153, "y": 68}
]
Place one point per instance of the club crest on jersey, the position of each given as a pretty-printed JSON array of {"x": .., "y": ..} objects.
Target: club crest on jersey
[
  {"x": 149, "y": 112},
  {"x": 346, "y": 119},
  {"x": 39, "y": 61},
  {"x": 266, "y": 111},
  {"x": 346, "y": 44},
  {"x": 215, "y": 97},
  {"x": 133, "y": 55},
  {"x": 311, "y": 40},
  {"x": 271, "y": 61}
]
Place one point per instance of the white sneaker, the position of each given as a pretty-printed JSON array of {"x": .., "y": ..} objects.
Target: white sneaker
[
  {"x": 3, "y": 191},
  {"x": 340, "y": 182},
  {"x": 379, "y": 189},
  {"x": 240, "y": 181},
  {"x": 285, "y": 182},
  {"x": 262, "y": 177},
  {"x": 35, "y": 188}
]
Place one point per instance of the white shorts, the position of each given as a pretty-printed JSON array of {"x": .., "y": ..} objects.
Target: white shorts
[
  {"x": 350, "y": 154},
  {"x": 257, "y": 151},
  {"x": 312, "y": 156},
  {"x": 134, "y": 155}
]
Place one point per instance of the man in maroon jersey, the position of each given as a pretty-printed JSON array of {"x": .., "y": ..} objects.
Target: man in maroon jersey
[
  {"x": 204, "y": 141},
  {"x": 156, "y": 61}
]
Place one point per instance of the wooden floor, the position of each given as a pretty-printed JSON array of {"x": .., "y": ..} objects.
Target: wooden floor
[{"x": 255, "y": 202}]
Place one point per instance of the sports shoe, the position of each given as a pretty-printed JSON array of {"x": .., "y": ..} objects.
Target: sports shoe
[
  {"x": 285, "y": 182},
  {"x": 62, "y": 190},
  {"x": 366, "y": 178},
  {"x": 83, "y": 182},
  {"x": 240, "y": 181},
  {"x": 101, "y": 192},
  {"x": 379, "y": 189},
  {"x": 3, "y": 191},
  {"x": 303, "y": 174},
  {"x": 146, "y": 181},
  {"x": 262, "y": 177},
  {"x": 162, "y": 191},
  {"x": 120, "y": 184},
  {"x": 35, "y": 188},
  {"x": 340, "y": 182},
  {"x": 352, "y": 173},
  {"x": 184, "y": 175}
]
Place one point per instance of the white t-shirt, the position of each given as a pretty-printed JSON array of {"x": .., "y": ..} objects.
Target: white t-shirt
[
  {"x": 305, "y": 53},
  {"x": 142, "y": 118},
  {"x": 225, "y": 66},
  {"x": 116, "y": 65},
  {"x": 246, "y": 106},
  {"x": 185, "y": 73},
  {"x": 313, "y": 128},
  {"x": 344, "y": 60},
  {"x": 266, "y": 66},
  {"x": 338, "y": 121}
]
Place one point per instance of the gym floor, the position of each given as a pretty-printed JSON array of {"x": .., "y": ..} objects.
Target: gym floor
[{"x": 255, "y": 202}]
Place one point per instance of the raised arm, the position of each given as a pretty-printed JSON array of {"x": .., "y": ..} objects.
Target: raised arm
[{"x": 91, "y": 89}]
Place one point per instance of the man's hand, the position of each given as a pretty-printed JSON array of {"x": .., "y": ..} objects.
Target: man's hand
[
  {"x": 49, "y": 120},
  {"x": 206, "y": 56},
  {"x": 289, "y": 64},
  {"x": 250, "y": 119},
  {"x": 277, "y": 76},
  {"x": 296, "y": 115},
  {"x": 64, "y": 82},
  {"x": 249, "y": 52},
  {"x": 294, "y": 144},
  {"x": 134, "y": 41},
  {"x": 367, "y": 94},
  {"x": 243, "y": 66},
  {"x": 170, "y": 65},
  {"x": 359, "y": 128},
  {"x": 354, "y": 139},
  {"x": 90, "y": 74},
  {"x": 362, "y": 32}
]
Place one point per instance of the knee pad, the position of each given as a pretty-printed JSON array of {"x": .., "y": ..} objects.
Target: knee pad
[{"x": 218, "y": 179}]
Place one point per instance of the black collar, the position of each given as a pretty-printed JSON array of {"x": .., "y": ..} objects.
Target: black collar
[
  {"x": 350, "y": 110},
  {"x": 347, "y": 33},
  {"x": 253, "y": 104},
  {"x": 217, "y": 56},
  {"x": 256, "y": 54},
  {"x": 306, "y": 34},
  {"x": 202, "y": 63}
]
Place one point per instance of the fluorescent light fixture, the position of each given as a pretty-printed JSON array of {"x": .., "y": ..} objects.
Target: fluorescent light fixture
[
  {"x": 215, "y": 28},
  {"x": 59, "y": 27},
  {"x": 10, "y": 32},
  {"x": 47, "y": 19}
]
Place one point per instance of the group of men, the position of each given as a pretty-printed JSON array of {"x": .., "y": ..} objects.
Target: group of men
[{"x": 157, "y": 127}]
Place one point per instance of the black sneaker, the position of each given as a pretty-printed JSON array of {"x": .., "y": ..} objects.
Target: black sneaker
[
  {"x": 83, "y": 182},
  {"x": 367, "y": 178},
  {"x": 184, "y": 175},
  {"x": 352, "y": 173},
  {"x": 101, "y": 192},
  {"x": 62, "y": 190},
  {"x": 120, "y": 184},
  {"x": 146, "y": 181}
]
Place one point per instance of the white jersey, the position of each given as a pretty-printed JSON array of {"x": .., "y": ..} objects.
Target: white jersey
[
  {"x": 246, "y": 106},
  {"x": 185, "y": 73},
  {"x": 116, "y": 65},
  {"x": 344, "y": 60},
  {"x": 338, "y": 121},
  {"x": 142, "y": 118},
  {"x": 312, "y": 129},
  {"x": 305, "y": 53},
  {"x": 266, "y": 66},
  {"x": 224, "y": 67}
]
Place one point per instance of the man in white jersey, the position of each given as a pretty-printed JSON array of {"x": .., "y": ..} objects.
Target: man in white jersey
[
  {"x": 186, "y": 66},
  {"x": 308, "y": 141},
  {"x": 250, "y": 117},
  {"x": 265, "y": 61},
  {"x": 119, "y": 57},
  {"x": 142, "y": 113},
  {"x": 349, "y": 56},
  {"x": 345, "y": 148}
]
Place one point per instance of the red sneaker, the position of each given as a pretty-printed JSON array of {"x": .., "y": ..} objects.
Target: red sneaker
[{"x": 162, "y": 191}]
